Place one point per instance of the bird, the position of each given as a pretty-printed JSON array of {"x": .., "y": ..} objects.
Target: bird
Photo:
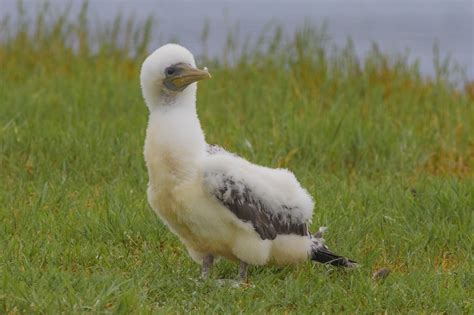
[{"x": 218, "y": 204}]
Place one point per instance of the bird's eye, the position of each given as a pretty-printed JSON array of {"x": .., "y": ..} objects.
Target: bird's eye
[{"x": 170, "y": 71}]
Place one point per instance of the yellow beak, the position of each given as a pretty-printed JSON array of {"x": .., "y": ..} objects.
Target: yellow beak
[{"x": 184, "y": 76}]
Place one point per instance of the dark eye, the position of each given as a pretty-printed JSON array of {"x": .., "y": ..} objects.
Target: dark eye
[{"x": 170, "y": 71}]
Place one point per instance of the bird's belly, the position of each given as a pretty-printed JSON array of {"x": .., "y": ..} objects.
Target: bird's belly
[{"x": 194, "y": 221}]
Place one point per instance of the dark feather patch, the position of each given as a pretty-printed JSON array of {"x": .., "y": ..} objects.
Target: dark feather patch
[
  {"x": 244, "y": 204},
  {"x": 214, "y": 149}
]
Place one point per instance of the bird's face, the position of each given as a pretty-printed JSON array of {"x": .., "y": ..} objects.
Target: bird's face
[
  {"x": 168, "y": 72},
  {"x": 179, "y": 75}
]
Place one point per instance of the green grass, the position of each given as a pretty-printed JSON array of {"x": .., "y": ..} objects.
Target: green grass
[{"x": 387, "y": 154}]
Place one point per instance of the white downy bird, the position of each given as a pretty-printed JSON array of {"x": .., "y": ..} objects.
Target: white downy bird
[{"x": 217, "y": 203}]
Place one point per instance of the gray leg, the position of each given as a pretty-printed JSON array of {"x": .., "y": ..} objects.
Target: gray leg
[
  {"x": 206, "y": 266},
  {"x": 243, "y": 271}
]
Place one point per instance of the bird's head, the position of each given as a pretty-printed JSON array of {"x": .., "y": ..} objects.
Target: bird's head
[{"x": 168, "y": 75}]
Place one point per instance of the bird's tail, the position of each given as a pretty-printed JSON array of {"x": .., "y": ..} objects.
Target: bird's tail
[{"x": 321, "y": 253}]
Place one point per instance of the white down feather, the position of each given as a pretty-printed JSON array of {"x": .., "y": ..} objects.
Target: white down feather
[{"x": 277, "y": 189}]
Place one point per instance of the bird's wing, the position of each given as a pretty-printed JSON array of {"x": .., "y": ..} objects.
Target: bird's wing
[
  {"x": 271, "y": 200},
  {"x": 213, "y": 149}
]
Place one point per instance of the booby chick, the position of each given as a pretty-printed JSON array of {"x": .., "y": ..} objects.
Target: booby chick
[{"x": 217, "y": 203}]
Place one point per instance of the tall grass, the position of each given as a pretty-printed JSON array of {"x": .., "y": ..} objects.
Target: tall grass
[{"x": 387, "y": 153}]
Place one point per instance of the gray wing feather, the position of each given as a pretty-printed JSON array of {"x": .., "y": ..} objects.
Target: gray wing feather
[
  {"x": 215, "y": 149},
  {"x": 248, "y": 208}
]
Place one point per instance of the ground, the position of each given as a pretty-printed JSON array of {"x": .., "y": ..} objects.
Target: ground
[{"x": 387, "y": 155}]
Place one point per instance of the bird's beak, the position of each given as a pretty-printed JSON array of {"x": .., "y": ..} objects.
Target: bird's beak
[{"x": 186, "y": 75}]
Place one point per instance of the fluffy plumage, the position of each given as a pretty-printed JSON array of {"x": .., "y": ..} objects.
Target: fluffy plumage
[
  {"x": 217, "y": 203},
  {"x": 271, "y": 199}
]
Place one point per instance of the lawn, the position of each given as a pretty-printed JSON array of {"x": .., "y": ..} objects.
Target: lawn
[{"x": 387, "y": 154}]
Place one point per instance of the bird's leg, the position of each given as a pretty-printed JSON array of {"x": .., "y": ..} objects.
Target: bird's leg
[
  {"x": 243, "y": 271},
  {"x": 207, "y": 262}
]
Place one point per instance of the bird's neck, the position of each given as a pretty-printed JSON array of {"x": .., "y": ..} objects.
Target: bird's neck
[{"x": 175, "y": 142}]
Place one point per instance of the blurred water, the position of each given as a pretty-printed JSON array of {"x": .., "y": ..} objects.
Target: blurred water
[{"x": 396, "y": 25}]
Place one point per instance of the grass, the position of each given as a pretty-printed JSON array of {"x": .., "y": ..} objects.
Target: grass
[{"x": 387, "y": 154}]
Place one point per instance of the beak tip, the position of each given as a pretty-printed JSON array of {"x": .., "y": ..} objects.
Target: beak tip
[{"x": 209, "y": 76}]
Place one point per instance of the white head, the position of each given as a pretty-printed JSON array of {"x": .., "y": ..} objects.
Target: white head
[{"x": 168, "y": 77}]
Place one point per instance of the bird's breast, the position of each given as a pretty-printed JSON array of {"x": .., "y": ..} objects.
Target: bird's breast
[
  {"x": 196, "y": 219},
  {"x": 169, "y": 210}
]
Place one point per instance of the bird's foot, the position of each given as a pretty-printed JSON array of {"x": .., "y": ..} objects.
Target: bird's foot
[{"x": 235, "y": 284}]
